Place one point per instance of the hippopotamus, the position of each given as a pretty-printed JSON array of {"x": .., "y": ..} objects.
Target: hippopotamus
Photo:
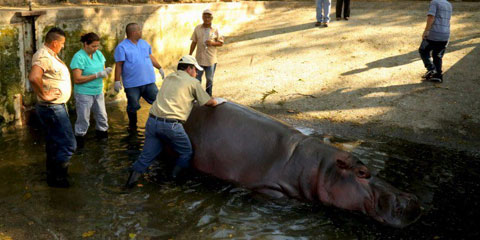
[{"x": 241, "y": 145}]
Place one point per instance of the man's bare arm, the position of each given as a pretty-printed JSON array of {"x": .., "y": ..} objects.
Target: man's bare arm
[
  {"x": 118, "y": 71},
  {"x": 192, "y": 47},
  {"x": 154, "y": 62},
  {"x": 214, "y": 43},
  {"x": 430, "y": 20},
  {"x": 35, "y": 78}
]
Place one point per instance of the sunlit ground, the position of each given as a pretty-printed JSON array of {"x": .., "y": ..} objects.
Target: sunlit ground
[{"x": 364, "y": 70}]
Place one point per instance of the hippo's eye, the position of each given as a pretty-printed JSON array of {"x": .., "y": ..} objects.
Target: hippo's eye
[{"x": 362, "y": 172}]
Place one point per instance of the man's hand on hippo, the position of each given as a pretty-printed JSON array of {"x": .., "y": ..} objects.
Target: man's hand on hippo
[{"x": 220, "y": 100}]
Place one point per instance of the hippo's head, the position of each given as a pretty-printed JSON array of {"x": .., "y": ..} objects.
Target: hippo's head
[{"x": 347, "y": 183}]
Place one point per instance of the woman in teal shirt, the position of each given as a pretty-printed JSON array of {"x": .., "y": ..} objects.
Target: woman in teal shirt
[{"x": 88, "y": 67}]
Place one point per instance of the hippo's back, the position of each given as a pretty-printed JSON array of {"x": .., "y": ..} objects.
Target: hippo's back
[{"x": 239, "y": 144}]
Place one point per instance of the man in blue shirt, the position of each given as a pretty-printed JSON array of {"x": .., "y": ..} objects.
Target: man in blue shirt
[
  {"x": 134, "y": 66},
  {"x": 435, "y": 39}
]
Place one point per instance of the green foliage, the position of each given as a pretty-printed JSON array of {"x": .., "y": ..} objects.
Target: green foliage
[
  {"x": 10, "y": 83},
  {"x": 108, "y": 48}
]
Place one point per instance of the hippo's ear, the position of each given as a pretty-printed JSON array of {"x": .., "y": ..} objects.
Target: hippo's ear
[{"x": 342, "y": 164}]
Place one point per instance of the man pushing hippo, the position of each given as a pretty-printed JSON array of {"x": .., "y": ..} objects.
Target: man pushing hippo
[{"x": 168, "y": 113}]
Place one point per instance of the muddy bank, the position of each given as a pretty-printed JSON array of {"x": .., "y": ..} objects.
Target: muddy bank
[{"x": 447, "y": 138}]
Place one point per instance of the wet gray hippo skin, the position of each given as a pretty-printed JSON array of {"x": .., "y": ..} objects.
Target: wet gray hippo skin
[{"x": 241, "y": 145}]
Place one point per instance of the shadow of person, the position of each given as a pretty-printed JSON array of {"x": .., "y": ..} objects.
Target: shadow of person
[
  {"x": 267, "y": 33},
  {"x": 467, "y": 68},
  {"x": 410, "y": 57}
]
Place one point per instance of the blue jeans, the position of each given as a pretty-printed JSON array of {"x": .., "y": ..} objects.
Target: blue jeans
[
  {"x": 437, "y": 49},
  {"x": 157, "y": 131},
  {"x": 60, "y": 142},
  {"x": 148, "y": 92},
  {"x": 323, "y": 16},
  {"x": 209, "y": 72}
]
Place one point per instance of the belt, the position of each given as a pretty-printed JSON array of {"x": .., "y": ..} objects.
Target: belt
[
  {"x": 169, "y": 120},
  {"x": 44, "y": 104}
]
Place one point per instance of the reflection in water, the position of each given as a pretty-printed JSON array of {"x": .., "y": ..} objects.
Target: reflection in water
[{"x": 200, "y": 207}]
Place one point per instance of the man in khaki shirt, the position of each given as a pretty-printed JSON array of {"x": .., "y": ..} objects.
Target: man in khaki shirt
[
  {"x": 206, "y": 39},
  {"x": 50, "y": 79},
  {"x": 170, "y": 110}
]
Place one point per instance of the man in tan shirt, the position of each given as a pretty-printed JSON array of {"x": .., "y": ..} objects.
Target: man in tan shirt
[
  {"x": 50, "y": 79},
  {"x": 206, "y": 39},
  {"x": 170, "y": 110}
]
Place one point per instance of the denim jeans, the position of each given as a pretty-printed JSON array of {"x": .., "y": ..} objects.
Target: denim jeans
[
  {"x": 437, "y": 49},
  {"x": 148, "y": 92},
  {"x": 209, "y": 72},
  {"x": 60, "y": 142},
  {"x": 86, "y": 103},
  {"x": 323, "y": 16},
  {"x": 157, "y": 131}
]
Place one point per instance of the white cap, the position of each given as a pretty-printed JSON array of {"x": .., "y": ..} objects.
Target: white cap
[
  {"x": 187, "y": 59},
  {"x": 208, "y": 11}
]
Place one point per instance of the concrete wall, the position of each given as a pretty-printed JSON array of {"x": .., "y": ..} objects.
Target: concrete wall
[
  {"x": 18, "y": 3},
  {"x": 167, "y": 27}
]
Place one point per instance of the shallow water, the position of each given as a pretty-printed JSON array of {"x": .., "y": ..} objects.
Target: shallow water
[{"x": 200, "y": 207}]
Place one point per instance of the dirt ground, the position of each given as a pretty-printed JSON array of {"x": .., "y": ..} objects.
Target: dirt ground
[{"x": 361, "y": 77}]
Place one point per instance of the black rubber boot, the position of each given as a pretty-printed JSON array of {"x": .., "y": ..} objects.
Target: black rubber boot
[
  {"x": 101, "y": 134},
  {"x": 132, "y": 121},
  {"x": 133, "y": 179},
  {"x": 80, "y": 141},
  {"x": 59, "y": 177},
  {"x": 176, "y": 171},
  {"x": 50, "y": 164}
]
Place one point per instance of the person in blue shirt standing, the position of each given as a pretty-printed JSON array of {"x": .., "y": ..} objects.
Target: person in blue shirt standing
[
  {"x": 88, "y": 68},
  {"x": 134, "y": 67},
  {"x": 323, "y": 12},
  {"x": 435, "y": 39}
]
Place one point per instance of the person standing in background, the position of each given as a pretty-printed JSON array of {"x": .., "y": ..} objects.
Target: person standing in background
[
  {"x": 323, "y": 12},
  {"x": 206, "y": 38},
  {"x": 50, "y": 79},
  {"x": 88, "y": 68},
  {"x": 346, "y": 9},
  {"x": 435, "y": 39},
  {"x": 134, "y": 67}
]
